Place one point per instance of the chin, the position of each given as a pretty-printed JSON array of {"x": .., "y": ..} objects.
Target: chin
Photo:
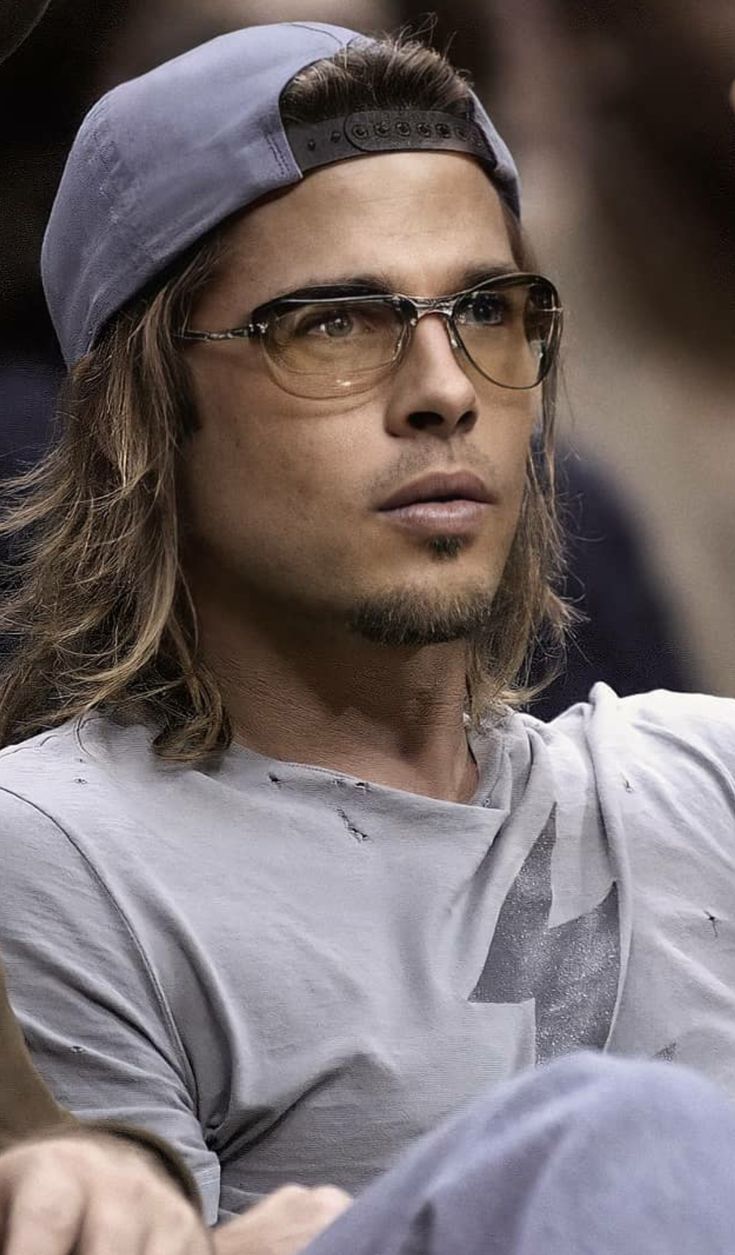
[{"x": 414, "y": 617}]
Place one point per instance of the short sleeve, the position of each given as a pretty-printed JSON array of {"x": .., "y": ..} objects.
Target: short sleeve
[
  {"x": 680, "y": 728},
  {"x": 95, "y": 1020}
]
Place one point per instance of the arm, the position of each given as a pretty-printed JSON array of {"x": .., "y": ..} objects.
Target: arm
[
  {"x": 100, "y": 1034},
  {"x": 88, "y": 1005},
  {"x": 26, "y": 1105},
  {"x": 28, "y": 1109},
  {"x": 56, "y": 1171}
]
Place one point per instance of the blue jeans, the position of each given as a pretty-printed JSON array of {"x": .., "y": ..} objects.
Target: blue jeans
[{"x": 589, "y": 1155}]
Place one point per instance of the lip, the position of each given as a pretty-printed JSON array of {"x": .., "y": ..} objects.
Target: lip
[
  {"x": 451, "y": 518},
  {"x": 462, "y": 485}
]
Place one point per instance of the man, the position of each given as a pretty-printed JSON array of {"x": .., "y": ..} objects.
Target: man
[{"x": 289, "y": 881}]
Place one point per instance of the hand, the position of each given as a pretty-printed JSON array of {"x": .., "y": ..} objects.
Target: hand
[
  {"x": 284, "y": 1223},
  {"x": 92, "y": 1195}
]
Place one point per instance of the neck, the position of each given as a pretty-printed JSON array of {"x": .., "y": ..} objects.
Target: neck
[{"x": 393, "y": 717}]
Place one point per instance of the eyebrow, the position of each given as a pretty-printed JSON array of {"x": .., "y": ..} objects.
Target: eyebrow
[{"x": 378, "y": 285}]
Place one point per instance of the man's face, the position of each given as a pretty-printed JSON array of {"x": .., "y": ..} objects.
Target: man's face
[{"x": 281, "y": 493}]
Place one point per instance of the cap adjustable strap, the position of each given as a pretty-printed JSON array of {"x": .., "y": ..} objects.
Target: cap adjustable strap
[{"x": 317, "y": 144}]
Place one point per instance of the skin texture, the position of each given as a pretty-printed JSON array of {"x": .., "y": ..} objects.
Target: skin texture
[
  {"x": 302, "y": 590},
  {"x": 284, "y": 1223},
  {"x": 91, "y": 1196}
]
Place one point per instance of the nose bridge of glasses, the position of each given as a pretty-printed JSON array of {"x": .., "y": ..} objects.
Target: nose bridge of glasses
[{"x": 422, "y": 307}]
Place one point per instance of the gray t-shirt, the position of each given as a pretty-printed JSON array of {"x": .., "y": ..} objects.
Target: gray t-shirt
[{"x": 293, "y": 973}]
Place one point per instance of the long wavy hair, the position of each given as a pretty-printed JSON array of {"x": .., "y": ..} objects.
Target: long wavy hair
[{"x": 98, "y": 604}]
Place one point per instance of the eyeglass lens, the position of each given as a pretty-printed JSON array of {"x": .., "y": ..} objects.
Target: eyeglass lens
[{"x": 320, "y": 349}]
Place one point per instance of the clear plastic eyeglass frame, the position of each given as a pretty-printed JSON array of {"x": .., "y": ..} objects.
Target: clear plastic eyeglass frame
[{"x": 410, "y": 310}]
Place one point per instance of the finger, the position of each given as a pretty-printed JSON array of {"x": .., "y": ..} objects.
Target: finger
[
  {"x": 44, "y": 1216},
  {"x": 180, "y": 1233},
  {"x": 113, "y": 1227},
  {"x": 332, "y": 1197},
  {"x": 330, "y": 1202}
]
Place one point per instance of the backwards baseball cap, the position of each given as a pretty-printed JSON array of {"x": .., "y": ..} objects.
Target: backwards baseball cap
[{"x": 162, "y": 159}]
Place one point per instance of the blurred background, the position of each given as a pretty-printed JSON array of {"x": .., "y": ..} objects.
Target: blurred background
[{"x": 620, "y": 115}]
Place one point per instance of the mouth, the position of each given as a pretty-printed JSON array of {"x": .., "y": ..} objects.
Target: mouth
[
  {"x": 439, "y": 502},
  {"x": 450, "y": 516},
  {"x": 439, "y": 488}
]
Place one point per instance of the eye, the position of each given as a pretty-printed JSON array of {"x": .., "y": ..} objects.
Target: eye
[
  {"x": 335, "y": 325},
  {"x": 485, "y": 309},
  {"x": 331, "y": 324}
]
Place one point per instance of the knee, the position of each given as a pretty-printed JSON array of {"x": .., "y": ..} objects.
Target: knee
[{"x": 598, "y": 1091}]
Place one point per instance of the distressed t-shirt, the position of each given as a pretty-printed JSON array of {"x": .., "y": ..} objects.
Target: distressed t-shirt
[{"x": 293, "y": 973}]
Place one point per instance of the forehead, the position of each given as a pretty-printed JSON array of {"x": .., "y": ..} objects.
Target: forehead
[{"x": 417, "y": 218}]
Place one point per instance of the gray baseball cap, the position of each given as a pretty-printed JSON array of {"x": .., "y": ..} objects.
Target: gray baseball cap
[{"x": 162, "y": 159}]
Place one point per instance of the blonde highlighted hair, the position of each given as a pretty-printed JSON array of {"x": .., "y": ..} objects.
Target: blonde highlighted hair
[{"x": 99, "y": 607}]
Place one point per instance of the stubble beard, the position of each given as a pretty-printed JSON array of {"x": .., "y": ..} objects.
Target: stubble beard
[{"x": 405, "y": 617}]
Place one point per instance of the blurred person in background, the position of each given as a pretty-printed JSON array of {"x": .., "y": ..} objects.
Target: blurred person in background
[
  {"x": 289, "y": 878},
  {"x": 648, "y": 262}
]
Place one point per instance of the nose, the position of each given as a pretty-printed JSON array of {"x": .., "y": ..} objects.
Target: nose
[{"x": 431, "y": 388}]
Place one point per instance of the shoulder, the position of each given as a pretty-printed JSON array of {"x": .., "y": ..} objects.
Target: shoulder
[
  {"x": 64, "y": 790},
  {"x": 57, "y": 765},
  {"x": 97, "y": 801},
  {"x": 671, "y": 744},
  {"x": 669, "y": 731},
  {"x": 659, "y": 761},
  {"x": 659, "y": 722},
  {"x": 697, "y": 716}
]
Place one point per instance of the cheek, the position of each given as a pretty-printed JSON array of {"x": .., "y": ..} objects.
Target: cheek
[
  {"x": 262, "y": 459},
  {"x": 520, "y": 471},
  {"x": 246, "y": 419},
  {"x": 513, "y": 426},
  {"x": 510, "y": 458}
]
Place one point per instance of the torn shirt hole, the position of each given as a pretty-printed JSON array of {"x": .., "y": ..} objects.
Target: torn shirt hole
[{"x": 353, "y": 831}]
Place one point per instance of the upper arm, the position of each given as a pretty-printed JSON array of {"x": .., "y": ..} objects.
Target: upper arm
[
  {"x": 26, "y": 1104},
  {"x": 96, "y": 1023}
]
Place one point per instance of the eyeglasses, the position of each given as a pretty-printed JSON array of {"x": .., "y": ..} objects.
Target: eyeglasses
[{"x": 343, "y": 342}]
